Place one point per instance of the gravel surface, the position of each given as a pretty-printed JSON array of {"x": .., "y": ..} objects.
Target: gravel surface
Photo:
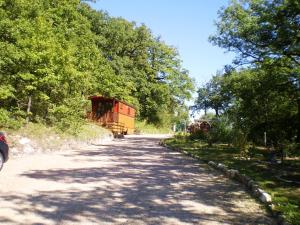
[{"x": 126, "y": 181}]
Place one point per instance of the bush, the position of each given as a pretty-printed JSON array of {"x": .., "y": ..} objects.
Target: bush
[
  {"x": 292, "y": 149},
  {"x": 68, "y": 117},
  {"x": 8, "y": 120},
  {"x": 180, "y": 135},
  {"x": 240, "y": 141},
  {"x": 147, "y": 128},
  {"x": 199, "y": 135},
  {"x": 221, "y": 131}
]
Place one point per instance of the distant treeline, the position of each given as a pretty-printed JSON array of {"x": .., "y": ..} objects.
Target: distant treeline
[{"x": 56, "y": 53}]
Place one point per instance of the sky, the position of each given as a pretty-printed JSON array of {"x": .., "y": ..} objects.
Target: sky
[{"x": 184, "y": 24}]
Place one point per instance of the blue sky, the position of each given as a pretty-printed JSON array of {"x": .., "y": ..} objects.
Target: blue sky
[{"x": 184, "y": 24}]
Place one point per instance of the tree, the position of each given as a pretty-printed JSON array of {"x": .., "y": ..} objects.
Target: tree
[
  {"x": 264, "y": 34},
  {"x": 147, "y": 72},
  {"x": 54, "y": 54},
  {"x": 260, "y": 29},
  {"x": 202, "y": 101},
  {"x": 212, "y": 96},
  {"x": 259, "y": 105}
]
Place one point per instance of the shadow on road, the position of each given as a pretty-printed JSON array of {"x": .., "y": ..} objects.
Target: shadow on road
[{"x": 141, "y": 183}]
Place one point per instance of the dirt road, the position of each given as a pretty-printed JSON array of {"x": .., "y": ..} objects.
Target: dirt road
[{"x": 129, "y": 181}]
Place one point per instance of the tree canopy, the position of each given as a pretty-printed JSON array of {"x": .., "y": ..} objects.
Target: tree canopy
[
  {"x": 261, "y": 91},
  {"x": 54, "y": 54},
  {"x": 258, "y": 30}
]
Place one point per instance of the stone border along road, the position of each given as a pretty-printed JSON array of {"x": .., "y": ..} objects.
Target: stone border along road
[{"x": 126, "y": 181}]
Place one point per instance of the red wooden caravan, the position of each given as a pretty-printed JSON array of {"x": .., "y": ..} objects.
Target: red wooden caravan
[
  {"x": 114, "y": 114},
  {"x": 202, "y": 125}
]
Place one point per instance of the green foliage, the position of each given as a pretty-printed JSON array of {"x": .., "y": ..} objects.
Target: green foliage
[
  {"x": 259, "y": 30},
  {"x": 7, "y": 121},
  {"x": 68, "y": 117},
  {"x": 212, "y": 96},
  {"x": 49, "y": 138},
  {"x": 222, "y": 130},
  {"x": 143, "y": 127},
  {"x": 91, "y": 131},
  {"x": 54, "y": 53},
  {"x": 285, "y": 195},
  {"x": 261, "y": 96},
  {"x": 180, "y": 135},
  {"x": 265, "y": 96},
  {"x": 240, "y": 140},
  {"x": 292, "y": 149},
  {"x": 264, "y": 104},
  {"x": 199, "y": 135}
]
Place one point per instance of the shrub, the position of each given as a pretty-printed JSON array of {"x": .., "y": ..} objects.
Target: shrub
[
  {"x": 148, "y": 128},
  {"x": 68, "y": 117},
  {"x": 292, "y": 149},
  {"x": 10, "y": 120},
  {"x": 199, "y": 135},
  {"x": 222, "y": 130}
]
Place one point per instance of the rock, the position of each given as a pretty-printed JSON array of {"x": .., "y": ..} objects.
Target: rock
[
  {"x": 265, "y": 197},
  {"x": 250, "y": 184},
  {"x": 260, "y": 191},
  {"x": 239, "y": 177},
  {"x": 103, "y": 140},
  {"x": 255, "y": 190},
  {"x": 247, "y": 179},
  {"x": 24, "y": 141},
  {"x": 28, "y": 149},
  {"x": 244, "y": 179},
  {"x": 14, "y": 149},
  {"x": 272, "y": 207},
  {"x": 255, "y": 187},
  {"x": 233, "y": 173},
  {"x": 213, "y": 164},
  {"x": 221, "y": 167},
  {"x": 227, "y": 173}
]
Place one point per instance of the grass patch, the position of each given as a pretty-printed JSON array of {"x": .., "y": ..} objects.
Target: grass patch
[
  {"x": 92, "y": 131},
  {"x": 285, "y": 195},
  {"x": 51, "y": 138},
  {"x": 142, "y": 127}
]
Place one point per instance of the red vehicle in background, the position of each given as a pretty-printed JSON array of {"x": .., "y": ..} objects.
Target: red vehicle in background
[{"x": 3, "y": 149}]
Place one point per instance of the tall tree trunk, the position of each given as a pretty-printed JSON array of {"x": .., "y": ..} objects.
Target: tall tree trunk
[
  {"x": 28, "y": 108},
  {"x": 217, "y": 112},
  {"x": 205, "y": 107}
]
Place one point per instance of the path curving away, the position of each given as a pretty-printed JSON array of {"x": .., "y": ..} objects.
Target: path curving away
[{"x": 127, "y": 181}]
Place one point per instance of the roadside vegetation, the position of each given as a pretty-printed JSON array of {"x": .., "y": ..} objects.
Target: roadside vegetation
[
  {"x": 272, "y": 177},
  {"x": 36, "y": 137},
  {"x": 55, "y": 54},
  {"x": 256, "y": 100},
  {"x": 142, "y": 127}
]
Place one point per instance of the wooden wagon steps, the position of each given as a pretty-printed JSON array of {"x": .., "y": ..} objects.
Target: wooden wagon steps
[{"x": 117, "y": 128}]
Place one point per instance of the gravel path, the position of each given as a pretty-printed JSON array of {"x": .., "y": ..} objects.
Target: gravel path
[{"x": 127, "y": 181}]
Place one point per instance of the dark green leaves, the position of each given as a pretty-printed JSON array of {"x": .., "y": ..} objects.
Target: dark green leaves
[{"x": 57, "y": 52}]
